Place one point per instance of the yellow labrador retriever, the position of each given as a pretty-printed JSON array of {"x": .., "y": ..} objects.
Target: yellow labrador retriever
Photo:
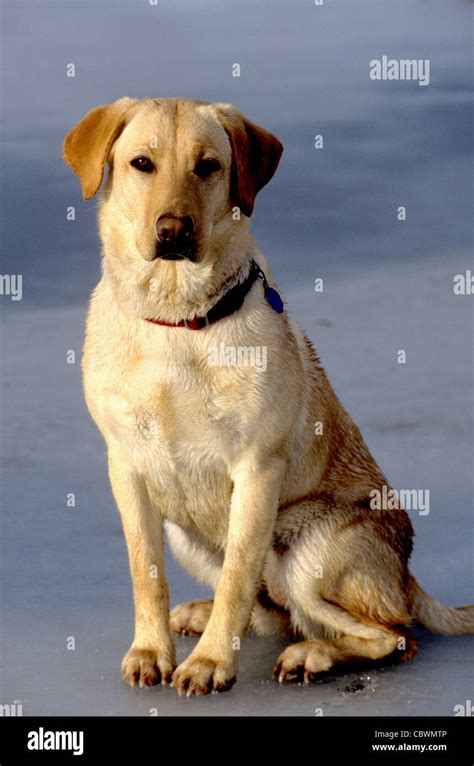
[{"x": 207, "y": 395}]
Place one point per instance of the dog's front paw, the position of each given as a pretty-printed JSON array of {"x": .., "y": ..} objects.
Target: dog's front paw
[
  {"x": 146, "y": 667},
  {"x": 203, "y": 675}
]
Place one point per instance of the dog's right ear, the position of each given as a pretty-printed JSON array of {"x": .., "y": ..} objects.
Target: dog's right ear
[{"x": 86, "y": 148}]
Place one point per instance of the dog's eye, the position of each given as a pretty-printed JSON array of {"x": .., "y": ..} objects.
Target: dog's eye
[
  {"x": 143, "y": 164},
  {"x": 205, "y": 168}
]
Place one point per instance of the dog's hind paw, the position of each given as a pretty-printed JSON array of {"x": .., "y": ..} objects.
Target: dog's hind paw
[
  {"x": 302, "y": 661},
  {"x": 191, "y": 617}
]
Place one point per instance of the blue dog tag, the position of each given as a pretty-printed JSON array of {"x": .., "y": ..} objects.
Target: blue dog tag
[
  {"x": 272, "y": 296},
  {"x": 273, "y": 299}
]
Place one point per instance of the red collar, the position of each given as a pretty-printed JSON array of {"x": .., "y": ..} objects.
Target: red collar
[{"x": 228, "y": 304}]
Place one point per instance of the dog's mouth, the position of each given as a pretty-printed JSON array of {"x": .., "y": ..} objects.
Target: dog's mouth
[
  {"x": 171, "y": 256},
  {"x": 175, "y": 254}
]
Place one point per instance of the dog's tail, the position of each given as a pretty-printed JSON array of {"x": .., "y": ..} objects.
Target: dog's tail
[{"x": 446, "y": 620}]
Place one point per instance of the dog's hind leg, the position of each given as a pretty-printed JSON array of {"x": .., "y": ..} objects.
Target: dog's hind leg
[
  {"x": 308, "y": 658},
  {"x": 345, "y": 586}
]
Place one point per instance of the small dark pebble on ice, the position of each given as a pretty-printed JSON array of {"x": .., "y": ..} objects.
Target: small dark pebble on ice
[{"x": 355, "y": 686}]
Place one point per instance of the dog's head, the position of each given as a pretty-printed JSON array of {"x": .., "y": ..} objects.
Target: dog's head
[{"x": 183, "y": 174}]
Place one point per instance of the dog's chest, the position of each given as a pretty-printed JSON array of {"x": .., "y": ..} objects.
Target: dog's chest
[{"x": 181, "y": 425}]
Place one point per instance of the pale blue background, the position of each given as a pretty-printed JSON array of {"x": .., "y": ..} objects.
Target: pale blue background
[{"x": 328, "y": 213}]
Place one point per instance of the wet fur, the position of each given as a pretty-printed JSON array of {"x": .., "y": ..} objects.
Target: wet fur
[{"x": 274, "y": 518}]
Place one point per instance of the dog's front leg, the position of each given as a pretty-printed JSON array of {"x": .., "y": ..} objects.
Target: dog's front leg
[
  {"x": 213, "y": 663},
  {"x": 151, "y": 657}
]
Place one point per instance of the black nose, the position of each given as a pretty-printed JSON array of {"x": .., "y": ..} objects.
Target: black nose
[{"x": 172, "y": 230}]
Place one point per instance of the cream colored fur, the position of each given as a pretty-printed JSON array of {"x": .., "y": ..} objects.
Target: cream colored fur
[{"x": 271, "y": 516}]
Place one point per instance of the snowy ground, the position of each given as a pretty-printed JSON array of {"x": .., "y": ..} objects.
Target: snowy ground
[{"x": 64, "y": 570}]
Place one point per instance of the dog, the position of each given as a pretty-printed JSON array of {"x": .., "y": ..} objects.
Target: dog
[{"x": 219, "y": 452}]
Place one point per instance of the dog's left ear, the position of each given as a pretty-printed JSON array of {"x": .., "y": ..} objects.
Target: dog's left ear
[
  {"x": 255, "y": 156},
  {"x": 86, "y": 148}
]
